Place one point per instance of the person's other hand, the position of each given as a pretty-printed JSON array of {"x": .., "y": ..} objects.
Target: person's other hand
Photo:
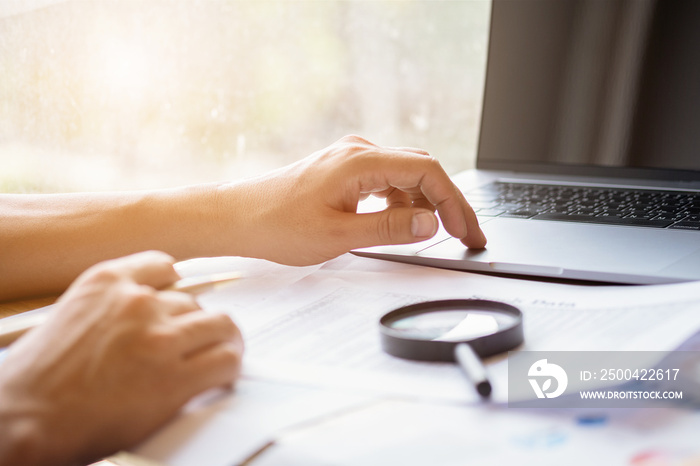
[
  {"x": 306, "y": 213},
  {"x": 115, "y": 360}
]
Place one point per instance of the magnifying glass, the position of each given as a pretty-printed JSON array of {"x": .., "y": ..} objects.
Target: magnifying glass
[{"x": 457, "y": 330}]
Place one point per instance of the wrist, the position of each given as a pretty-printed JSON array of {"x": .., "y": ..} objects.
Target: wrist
[
  {"x": 184, "y": 222},
  {"x": 21, "y": 440},
  {"x": 237, "y": 230},
  {"x": 33, "y": 431}
]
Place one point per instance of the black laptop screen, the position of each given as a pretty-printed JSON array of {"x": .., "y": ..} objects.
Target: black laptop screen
[{"x": 593, "y": 87}]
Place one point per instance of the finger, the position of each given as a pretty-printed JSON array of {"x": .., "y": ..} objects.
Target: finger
[
  {"x": 475, "y": 238},
  {"x": 355, "y": 139},
  {"x": 199, "y": 330},
  {"x": 384, "y": 193},
  {"x": 393, "y": 196},
  {"x": 409, "y": 149},
  {"x": 177, "y": 303},
  {"x": 152, "y": 268},
  {"x": 399, "y": 225},
  {"x": 398, "y": 198},
  {"x": 421, "y": 202},
  {"x": 426, "y": 174},
  {"x": 412, "y": 198},
  {"x": 415, "y": 173},
  {"x": 216, "y": 366}
]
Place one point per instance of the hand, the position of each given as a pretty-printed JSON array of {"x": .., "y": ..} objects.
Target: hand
[
  {"x": 299, "y": 215},
  {"x": 115, "y": 360},
  {"x": 306, "y": 213}
]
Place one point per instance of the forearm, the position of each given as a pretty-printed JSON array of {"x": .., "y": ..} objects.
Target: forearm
[
  {"x": 302, "y": 214},
  {"x": 47, "y": 240}
]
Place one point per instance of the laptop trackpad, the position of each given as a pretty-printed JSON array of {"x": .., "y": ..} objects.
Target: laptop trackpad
[{"x": 549, "y": 248}]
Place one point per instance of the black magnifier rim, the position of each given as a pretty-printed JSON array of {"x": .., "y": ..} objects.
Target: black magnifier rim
[{"x": 397, "y": 344}]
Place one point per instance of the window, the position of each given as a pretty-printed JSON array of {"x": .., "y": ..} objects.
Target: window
[{"x": 98, "y": 95}]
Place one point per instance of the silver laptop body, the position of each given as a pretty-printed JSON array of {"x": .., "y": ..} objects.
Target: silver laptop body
[{"x": 588, "y": 165}]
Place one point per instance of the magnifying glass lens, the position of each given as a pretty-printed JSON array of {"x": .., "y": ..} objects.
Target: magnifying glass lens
[
  {"x": 451, "y": 325},
  {"x": 459, "y": 330}
]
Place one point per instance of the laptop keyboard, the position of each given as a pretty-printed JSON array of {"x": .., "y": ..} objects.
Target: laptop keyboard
[{"x": 611, "y": 206}]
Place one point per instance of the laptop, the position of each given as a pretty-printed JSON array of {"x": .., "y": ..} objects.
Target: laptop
[{"x": 588, "y": 163}]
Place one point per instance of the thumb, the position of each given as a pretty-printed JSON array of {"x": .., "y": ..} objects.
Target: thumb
[
  {"x": 399, "y": 225},
  {"x": 152, "y": 268}
]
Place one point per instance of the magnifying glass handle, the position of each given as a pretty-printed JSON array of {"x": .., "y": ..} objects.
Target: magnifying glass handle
[{"x": 473, "y": 368}]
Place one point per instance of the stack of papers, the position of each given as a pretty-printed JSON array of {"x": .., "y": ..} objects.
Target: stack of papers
[{"x": 314, "y": 365}]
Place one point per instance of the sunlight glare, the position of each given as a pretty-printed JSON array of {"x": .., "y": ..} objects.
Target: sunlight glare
[{"x": 123, "y": 70}]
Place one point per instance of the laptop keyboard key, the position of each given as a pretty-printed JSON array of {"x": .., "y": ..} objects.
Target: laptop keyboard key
[
  {"x": 589, "y": 204},
  {"x": 610, "y": 220},
  {"x": 489, "y": 212},
  {"x": 519, "y": 214},
  {"x": 685, "y": 226}
]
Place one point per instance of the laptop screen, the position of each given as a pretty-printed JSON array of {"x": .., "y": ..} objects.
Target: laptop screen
[{"x": 594, "y": 88}]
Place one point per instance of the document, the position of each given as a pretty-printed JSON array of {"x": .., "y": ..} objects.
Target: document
[
  {"x": 221, "y": 428},
  {"x": 387, "y": 433},
  {"x": 323, "y": 330},
  {"x": 313, "y": 352}
]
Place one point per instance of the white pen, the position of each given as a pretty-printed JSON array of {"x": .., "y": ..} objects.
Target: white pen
[{"x": 14, "y": 327}]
